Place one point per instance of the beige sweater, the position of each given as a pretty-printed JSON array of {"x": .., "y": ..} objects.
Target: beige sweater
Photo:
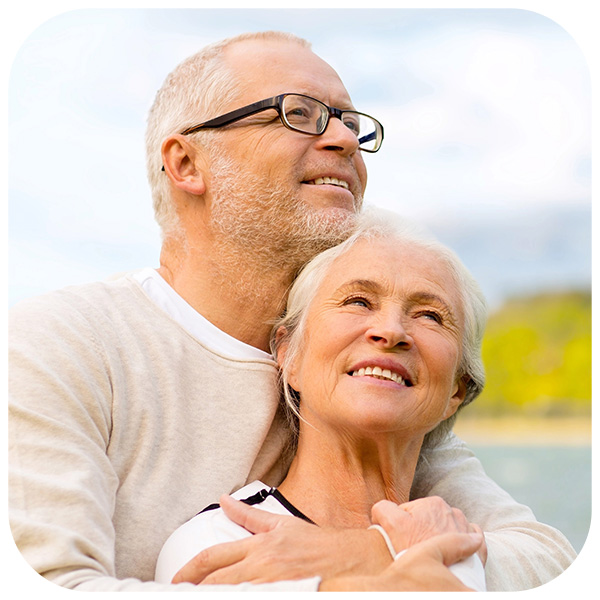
[{"x": 122, "y": 424}]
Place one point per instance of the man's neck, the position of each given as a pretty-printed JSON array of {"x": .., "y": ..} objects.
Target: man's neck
[{"x": 238, "y": 296}]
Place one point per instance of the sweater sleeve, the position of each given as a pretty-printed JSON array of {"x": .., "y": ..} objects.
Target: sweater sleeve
[
  {"x": 522, "y": 553},
  {"x": 62, "y": 485}
]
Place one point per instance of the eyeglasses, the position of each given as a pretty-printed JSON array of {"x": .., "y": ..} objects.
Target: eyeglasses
[{"x": 306, "y": 115}]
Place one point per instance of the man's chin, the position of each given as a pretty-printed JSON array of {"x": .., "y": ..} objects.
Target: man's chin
[
  {"x": 329, "y": 226},
  {"x": 339, "y": 214},
  {"x": 330, "y": 197}
]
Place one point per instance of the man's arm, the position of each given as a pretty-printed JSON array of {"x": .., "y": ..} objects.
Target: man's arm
[
  {"x": 522, "y": 553},
  {"x": 285, "y": 547},
  {"x": 62, "y": 484}
]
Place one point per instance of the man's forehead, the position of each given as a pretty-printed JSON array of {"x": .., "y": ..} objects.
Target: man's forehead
[
  {"x": 250, "y": 49},
  {"x": 270, "y": 67}
]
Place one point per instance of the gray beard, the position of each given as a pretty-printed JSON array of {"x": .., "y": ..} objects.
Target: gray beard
[{"x": 257, "y": 222}]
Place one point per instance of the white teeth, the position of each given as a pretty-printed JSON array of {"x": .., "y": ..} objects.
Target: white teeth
[
  {"x": 331, "y": 181},
  {"x": 378, "y": 373}
]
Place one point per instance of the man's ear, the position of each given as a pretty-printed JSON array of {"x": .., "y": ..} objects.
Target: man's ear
[
  {"x": 458, "y": 397},
  {"x": 282, "y": 343},
  {"x": 183, "y": 163}
]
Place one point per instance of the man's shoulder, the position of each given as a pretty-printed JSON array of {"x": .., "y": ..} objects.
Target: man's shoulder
[
  {"x": 81, "y": 296},
  {"x": 92, "y": 304}
]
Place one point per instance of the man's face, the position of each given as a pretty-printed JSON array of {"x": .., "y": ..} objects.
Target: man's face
[{"x": 278, "y": 179}]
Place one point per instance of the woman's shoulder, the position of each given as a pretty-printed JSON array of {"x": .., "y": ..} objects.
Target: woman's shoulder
[{"x": 208, "y": 528}]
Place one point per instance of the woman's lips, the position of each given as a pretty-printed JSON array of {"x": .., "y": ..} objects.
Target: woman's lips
[{"x": 382, "y": 369}]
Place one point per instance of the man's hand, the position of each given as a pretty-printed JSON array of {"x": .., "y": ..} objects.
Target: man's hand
[
  {"x": 413, "y": 522},
  {"x": 284, "y": 548},
  {"x": 423, "y": 567}
]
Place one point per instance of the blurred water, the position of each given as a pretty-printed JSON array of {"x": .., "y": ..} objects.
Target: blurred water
[{"x": 554, "y": 481}]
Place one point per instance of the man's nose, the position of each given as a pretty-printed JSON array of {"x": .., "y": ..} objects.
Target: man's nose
[{"x": 338, "y": 137}]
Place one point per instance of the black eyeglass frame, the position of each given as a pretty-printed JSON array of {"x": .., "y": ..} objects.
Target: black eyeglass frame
[{"x": 276, "y": 103}]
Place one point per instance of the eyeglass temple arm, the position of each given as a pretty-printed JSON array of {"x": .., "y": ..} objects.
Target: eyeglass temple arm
[{"x": 235, "y": 115}]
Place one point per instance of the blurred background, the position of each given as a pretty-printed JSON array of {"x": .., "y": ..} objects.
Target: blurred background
[{"x": 487, "y": 143}]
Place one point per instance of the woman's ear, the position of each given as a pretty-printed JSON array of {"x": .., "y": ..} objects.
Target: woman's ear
[
  {"x": 182, "y": 162},
  {"x": 458, "y": 397},
  {"x": 282, "y": 343}
]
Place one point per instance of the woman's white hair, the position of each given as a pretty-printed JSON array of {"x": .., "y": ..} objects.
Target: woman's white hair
[
  {"x": 372, "y": 224},
  {"x": 195, "y": 91}
]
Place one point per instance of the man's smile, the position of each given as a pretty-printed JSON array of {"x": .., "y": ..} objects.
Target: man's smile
[{"x": 329, "y": 181}]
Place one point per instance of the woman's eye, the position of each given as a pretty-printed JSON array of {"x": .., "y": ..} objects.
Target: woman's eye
[
  {"x": 431, "y": 315},
  {"x": 357, "y": 301}
]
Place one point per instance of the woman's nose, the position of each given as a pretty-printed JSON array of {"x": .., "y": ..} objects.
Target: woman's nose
[{"x": 389, "y": 332}]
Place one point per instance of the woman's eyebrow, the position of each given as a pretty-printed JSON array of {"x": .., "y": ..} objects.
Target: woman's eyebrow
[
  {"x": 431, "y": 298},
  {"x": 367, "y": 285}
]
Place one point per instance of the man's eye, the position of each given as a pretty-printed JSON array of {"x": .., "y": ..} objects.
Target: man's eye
[
  {"x": 297, "y": 112},
  {"x": 353, "y": 125}
]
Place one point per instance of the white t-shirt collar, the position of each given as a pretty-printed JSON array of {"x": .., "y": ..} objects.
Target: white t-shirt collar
[{"x": 166, "y": 298}]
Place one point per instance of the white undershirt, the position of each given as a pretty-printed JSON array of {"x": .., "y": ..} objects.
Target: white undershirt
[{"x": 167, "y": 299}]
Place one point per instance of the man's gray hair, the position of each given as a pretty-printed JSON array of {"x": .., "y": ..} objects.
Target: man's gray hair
[
  {"x": 379, "y": 224},
  {"x": 193, "y": 92}
]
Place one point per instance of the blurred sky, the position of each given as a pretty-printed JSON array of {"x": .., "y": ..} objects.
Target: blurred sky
[{"x": 487, "y": 134}]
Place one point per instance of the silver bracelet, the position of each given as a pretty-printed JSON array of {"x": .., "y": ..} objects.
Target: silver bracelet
[{"x": 386, "y": 538}]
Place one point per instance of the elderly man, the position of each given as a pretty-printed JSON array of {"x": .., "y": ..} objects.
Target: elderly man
[{"x": 135, "y": 401}]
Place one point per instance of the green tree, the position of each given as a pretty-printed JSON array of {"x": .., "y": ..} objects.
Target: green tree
[{"x": 538, "y": 357}]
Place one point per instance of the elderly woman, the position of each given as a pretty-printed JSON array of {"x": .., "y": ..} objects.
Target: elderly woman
[{"x": 379, "y": 349}]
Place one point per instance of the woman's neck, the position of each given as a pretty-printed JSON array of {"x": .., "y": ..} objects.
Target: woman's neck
[{"x": 336, "y": 487}]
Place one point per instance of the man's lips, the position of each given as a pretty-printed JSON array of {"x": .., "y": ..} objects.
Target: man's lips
[{"x": 329, "y": 181}]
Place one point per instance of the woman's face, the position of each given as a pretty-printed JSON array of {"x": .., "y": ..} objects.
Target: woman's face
[{"x": 382, "y": 343}]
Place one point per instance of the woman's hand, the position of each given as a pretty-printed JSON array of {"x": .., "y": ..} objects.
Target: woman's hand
[
  {"x": 413, "y": 522},
  {"x": 424, "y": 567}
]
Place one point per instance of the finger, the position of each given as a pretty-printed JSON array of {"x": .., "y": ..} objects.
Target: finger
[
  {"x": 252, "y": 519},
  {"x": 212, "y": 559},
  {"x": 230, "y": 575},
  {"x": 460, "y": 520},
  {"x": 452, "y": 547},
  {"x": 483, "y": 551},
  {"x": 432, "y": 505},
  {"x": 386, "y": 511},
  {"x": 474, "y": 528}
]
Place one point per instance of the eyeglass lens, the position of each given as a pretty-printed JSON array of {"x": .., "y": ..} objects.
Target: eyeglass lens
[{"x": 311, "y": 116}]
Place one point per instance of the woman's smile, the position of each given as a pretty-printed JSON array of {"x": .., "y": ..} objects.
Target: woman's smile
[{"x": 383, "y": 369}]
